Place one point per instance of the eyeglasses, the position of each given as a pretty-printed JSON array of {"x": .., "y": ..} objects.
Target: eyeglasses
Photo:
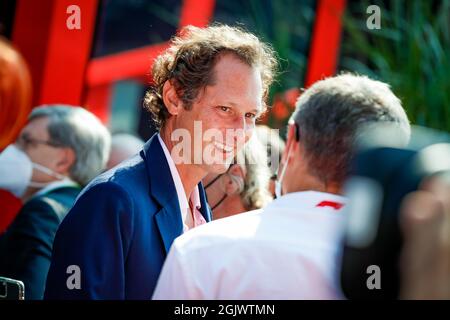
[{"x": 26, "y": 141}]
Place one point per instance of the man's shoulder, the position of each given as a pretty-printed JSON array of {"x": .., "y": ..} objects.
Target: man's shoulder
[
  {"x": 123, "y": 190},
  {"x": 57, "y": 202},
  {"x": 41, "y": 215},
  {"x": 220, "y": 232},
  {"x": 127, "y": 177},
  {"x": 127, "y": 172}
]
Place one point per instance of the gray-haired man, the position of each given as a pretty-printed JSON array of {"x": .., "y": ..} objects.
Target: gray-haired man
[{"x": 60, "y": 150}]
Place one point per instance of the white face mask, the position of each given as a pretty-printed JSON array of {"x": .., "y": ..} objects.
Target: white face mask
[
  {"x": 16, "y": 169},
  {"x": 280, "y": 178}
]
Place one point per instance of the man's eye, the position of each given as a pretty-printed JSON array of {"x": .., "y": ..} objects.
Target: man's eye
[
  {"x": 250, "y": 115},
  {"x": 224, "y": 109}
]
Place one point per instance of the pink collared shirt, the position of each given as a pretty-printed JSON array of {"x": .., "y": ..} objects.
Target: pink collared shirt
[{"x": 194, "y": 199}]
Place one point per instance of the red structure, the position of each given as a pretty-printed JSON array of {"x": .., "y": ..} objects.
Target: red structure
[
  {"x": 63, "y": 72},
  {"x": 56, "y": 55},
  {"x": 59, "y": 57},
  {"x": 326, "y": 39}
]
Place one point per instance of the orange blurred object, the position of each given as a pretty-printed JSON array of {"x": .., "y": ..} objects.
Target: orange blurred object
[
  {"x": 15, "y": 105},
  {"x": 15, "y": 93}
]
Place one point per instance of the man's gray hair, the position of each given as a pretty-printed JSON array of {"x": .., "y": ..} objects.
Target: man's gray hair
[
  {"x": 78, "y": 129},
  {"x": 330, "y": 114}
]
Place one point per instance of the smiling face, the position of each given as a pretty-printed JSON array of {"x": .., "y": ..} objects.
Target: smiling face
[{"x": 224, "y": 112}]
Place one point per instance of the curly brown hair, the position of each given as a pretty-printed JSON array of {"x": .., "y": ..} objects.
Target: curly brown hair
[{"x": 190, "y": 60}]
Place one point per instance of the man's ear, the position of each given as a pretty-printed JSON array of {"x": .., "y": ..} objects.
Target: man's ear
[
  {"x": 291, "y": 142},
  {"x": 170, "y": 98},
  {"x": 67, "y": 160}
]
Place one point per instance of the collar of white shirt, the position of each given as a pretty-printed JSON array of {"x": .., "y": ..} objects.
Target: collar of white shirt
[
  {"x": 309, "y": 200},
  {"x": 195, "y": 196}
]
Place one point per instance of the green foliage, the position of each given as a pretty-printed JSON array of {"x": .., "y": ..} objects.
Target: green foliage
[{"x": 411, "y": 52}]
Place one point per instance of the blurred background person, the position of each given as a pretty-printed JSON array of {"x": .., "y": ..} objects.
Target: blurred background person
[
  {"x": 244, "y": 186},
  {"x": 15, "y": 103},
  {"x": 270, "y": 138},
  {"x": 123, "y": 146},
  {"x": 59, "y": 151}
]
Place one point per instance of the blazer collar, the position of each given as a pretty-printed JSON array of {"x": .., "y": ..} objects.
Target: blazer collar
[{"x": 163, "y": 191}]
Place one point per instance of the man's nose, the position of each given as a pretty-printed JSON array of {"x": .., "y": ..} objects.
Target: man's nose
[
  {"x": 242, "y": 131},
  {"x": 240, "y": 127}
]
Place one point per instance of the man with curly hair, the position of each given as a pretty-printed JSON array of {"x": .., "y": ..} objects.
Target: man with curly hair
[{"x": 211, "y": 83}]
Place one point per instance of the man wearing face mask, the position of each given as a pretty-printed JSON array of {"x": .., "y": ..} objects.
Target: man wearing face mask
[
  {"x": 59, "y": 150},
  {"x": 289, "y": 249},
  {"x": 244, "y": 186}
]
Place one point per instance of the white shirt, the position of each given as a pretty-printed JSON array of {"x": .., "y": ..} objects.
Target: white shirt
[
  {"x": 182, "y": 199},
  {"x": 289, "y": 250}
]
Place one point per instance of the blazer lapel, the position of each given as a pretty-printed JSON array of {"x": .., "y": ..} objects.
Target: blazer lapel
[
  {"x": 168, "y": 226},
  {"x": 162, "y": 189},
  {"x": 205, "y": 209}
]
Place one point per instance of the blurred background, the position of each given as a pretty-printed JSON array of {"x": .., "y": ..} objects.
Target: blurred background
[{"x": 105, "y": 65}]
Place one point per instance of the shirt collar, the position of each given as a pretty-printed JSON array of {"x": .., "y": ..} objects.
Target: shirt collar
[
  {"x": 195, "y": 196},
  {"x": 309, "y": 200}
]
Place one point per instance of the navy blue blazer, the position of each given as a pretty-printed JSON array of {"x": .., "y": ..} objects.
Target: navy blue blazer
[{"x": 119, "y": 231}]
